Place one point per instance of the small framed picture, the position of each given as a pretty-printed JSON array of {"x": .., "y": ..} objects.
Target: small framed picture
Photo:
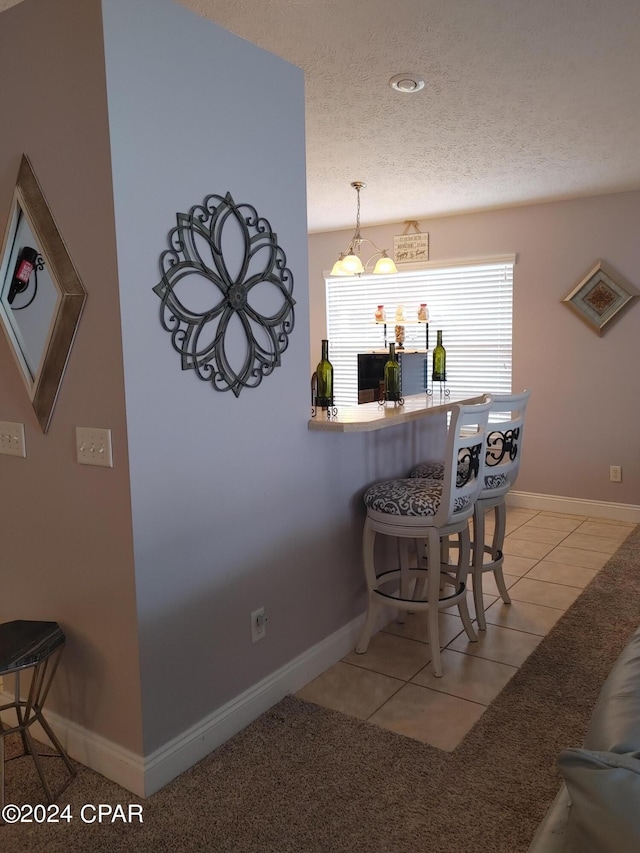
[{"x": 600, "y": 297}]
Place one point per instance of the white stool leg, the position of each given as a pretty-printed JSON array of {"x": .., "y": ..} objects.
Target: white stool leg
[
  {"x": 405, "y": 580},
  {"x": 461, "y": 577},
  {"x": 478, "y": 561},
  {"x": 433, "y": 597},
  {"x": 373, "y": 605},
  {"x": 498, "y": 544}
]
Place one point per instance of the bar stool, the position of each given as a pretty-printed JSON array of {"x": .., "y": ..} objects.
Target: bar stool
[
  {"x": 36, "y": 646},
  {"x": 504, "y": 450},
  {"x": 427, "y": 512}
]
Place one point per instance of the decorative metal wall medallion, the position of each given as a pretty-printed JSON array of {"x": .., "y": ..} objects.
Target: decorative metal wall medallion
[{"x": 224, "y": 255}]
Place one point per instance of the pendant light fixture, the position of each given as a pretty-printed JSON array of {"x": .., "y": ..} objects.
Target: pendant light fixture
[{"x": 349, "y": 262}]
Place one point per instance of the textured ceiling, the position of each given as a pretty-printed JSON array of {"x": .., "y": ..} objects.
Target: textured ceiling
[{"x": 525, "y": 100}]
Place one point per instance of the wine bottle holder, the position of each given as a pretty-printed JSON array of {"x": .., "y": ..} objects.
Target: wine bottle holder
[
  {"x": 324, "y": 404},
  {"x": 440, "y": 384}
]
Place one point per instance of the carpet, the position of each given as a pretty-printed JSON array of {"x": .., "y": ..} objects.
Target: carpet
[{"x": 302, "y": 779}]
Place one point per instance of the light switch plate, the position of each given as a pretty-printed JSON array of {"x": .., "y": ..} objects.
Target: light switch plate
[
  {"x": 12, "y": 439},
  {"x": 93, "y": 446}
]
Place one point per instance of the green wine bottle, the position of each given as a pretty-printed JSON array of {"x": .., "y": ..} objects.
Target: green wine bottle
[
  {"x": 392, "y": 389},
  {"x": 324, "y": 396},
  {"x": 439, "y": 361}
]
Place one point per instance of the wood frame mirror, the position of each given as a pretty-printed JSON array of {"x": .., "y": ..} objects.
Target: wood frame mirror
[{"x": 41, "y": 294}]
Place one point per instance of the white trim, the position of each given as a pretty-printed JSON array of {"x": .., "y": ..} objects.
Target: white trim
[
  {"x": 145, "y": 776},
  {"x": 194, "y": 744},
  {"x": 105, "y": 757},
  {"x": 575, "y": 506}
]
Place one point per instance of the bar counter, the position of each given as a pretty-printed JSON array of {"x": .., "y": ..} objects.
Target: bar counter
[{"x": 368, "y": 417}]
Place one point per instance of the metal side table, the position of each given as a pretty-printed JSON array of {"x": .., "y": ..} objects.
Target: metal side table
[{"x": 35, "y": 647}]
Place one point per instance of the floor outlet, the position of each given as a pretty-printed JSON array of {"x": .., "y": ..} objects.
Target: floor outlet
[
  {"x": 12, "y": 439},
  {"x": 615, "y": 474},
  {"x": 93, "y": 446},
  {"x": 258, "y": 625}
]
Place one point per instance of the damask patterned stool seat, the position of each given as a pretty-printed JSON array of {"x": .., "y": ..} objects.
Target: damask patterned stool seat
[
  {"x": 35, "y": 647},
  {"x": 426, "y": 512},
  {"x": 504, "y": 443},
  {"x": 409, "y": 497}
]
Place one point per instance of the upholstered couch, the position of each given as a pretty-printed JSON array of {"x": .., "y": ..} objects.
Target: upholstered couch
[{"x": 597, "y": 809}]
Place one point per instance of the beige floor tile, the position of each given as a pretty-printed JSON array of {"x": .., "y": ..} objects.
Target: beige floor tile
[
  {"x": 489, "y": 586},
  {"x": 524, "y": 548},
  {"x": 552, "y": 522},
  {"x": 628, "y": 524},
  {"x": 517, "y": 566},
  {"x": 558, "y": 573},
  {"x": 350, "y": 689},
  {"x": 562, "y": 515},
  {"x": 428, "y": 716},
  {"x": 467, "y": 676},
  {"x": 542, "y": 592},
  {"x": 398, "y": 657},
  {"x": 577, "y": 557},
  {"x": 487, "y": 602},
  {"x": 609, "y": 529},
  {"x": 517, "y": 515},
  {"x": 500, "y": 644},
  {"x": 540, "y": 534},
  {"x": 523, "y": 616},
  {"x": 592, "y": 543},
  {"x": 415, "y": 627}
]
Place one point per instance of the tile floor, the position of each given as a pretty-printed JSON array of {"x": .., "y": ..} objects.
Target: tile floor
[{"x": 549, "y": 559}]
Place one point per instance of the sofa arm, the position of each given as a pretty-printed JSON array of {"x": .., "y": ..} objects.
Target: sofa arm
[
  {"x": 615, "y": 722},
  {"x": 551, "y": 834}
]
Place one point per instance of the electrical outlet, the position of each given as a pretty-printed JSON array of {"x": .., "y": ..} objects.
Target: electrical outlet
[
  {"x": 258, "y": 625},
  {"x": 615, "y": 473},
  {"x": 12, "y": 439},
  {"x": 93, "y": 446}
]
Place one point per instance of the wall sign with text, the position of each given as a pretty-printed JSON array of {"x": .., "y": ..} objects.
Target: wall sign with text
[{"x": 411, "y": 247}]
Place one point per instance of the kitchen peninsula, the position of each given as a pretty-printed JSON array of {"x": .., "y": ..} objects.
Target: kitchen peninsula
[{"x": 369, "y": 417}]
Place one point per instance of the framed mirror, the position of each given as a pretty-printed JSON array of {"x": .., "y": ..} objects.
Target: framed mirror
[{"x": 41, "y": 295}]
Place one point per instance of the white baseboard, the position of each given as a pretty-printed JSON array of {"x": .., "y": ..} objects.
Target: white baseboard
[
  {"x": 105, "y": 757},
  {"x": 146, "y": 776},
  {"x": 198, "y": 741},
  {"x": 575, "y": 506}
]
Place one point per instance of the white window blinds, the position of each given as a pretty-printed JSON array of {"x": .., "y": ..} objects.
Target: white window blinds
[{"x": 471, "y": 303}]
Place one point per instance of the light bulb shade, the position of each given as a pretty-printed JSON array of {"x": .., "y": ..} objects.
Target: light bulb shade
[
  {"x": 352, "y": 265},
  {"x": 337, "y": 269},
  {"x": 385, "y": 266}
]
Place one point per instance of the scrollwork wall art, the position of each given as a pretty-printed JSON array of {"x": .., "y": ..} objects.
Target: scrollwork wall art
[{"x": 226, "y": 294}]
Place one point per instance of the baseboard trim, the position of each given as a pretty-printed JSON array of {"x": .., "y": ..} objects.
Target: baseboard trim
[
  {"x": 194, "y": 744},
  {"x": 90, "y": 749},
  {"x": 144, "y": 777},
  {"x": 575, "y": 506}
]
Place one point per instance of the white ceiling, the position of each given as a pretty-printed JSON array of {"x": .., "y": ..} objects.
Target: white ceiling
[{"x": 525, "y": 100}]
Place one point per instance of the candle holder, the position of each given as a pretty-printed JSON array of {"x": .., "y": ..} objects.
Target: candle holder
[{"x": 381, "y": 319}]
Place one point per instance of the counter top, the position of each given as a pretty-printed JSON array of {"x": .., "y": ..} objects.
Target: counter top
[{"x": 370, "y": 416}]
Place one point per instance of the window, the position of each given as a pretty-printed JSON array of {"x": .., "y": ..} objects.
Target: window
[{"x": 471, "y": 303}]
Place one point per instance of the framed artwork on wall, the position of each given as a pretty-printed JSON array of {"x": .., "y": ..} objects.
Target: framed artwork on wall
[
  {"x": 41, "y": 295},
  {"x": 600, "y": 297}
]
